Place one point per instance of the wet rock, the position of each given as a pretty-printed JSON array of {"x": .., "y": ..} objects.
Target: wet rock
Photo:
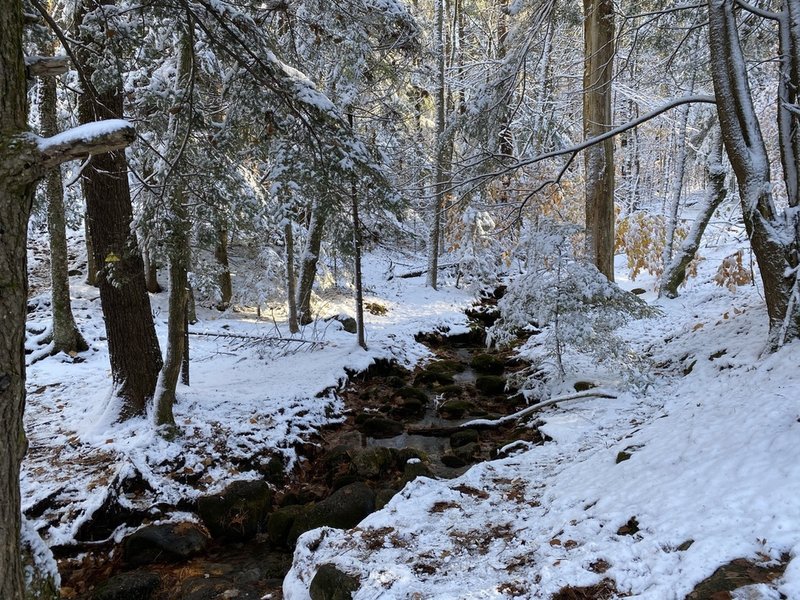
[
  {"x": 330, "y": 583},
  {"x": 380, "y": 427},
  {"x": 133, "y": 585},
  {"x": 467, "y": 452},
  {"x": 488, "y": 364},
  {"x": 404, "y": 455},
  {"x": 455, "y": 409},
  {"x": 491, "y": 385},
  {"x": 415, "y": 393},
  {"x": 412, "y": 402},
  {"x": 373, "y": 462},
  {"x": 239, "y": 512},
  {"x": 168, "y": 542},
  {"x": 448, "y": 367},
  {"x": 463, "y": 437},
  {"x": 280, "y": 523},
  {"x": 453, "y": 461},
  {"x": 451, "y": 391},
  {"x": 343, "y": 509},
  {"x": 415, "y": 468},
  {"x": 433, "y": 378}
]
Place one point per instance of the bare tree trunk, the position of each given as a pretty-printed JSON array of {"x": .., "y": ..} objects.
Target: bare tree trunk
[
  {"x": 221, "y": 254},
  {"x": 291, "y": 285},
  {"x": 132, "y": 344},
  {"x": 440, "y": 175},
  {"x": 151, "y": 273},
  {"x": 357, "y": 242},
  {"x": 91, "y": 264},
  {"x": 675, "y": 272},
  {"x": 66, "y": 336},
  {"x": 599, "y": 158},
  {"x": 773, "y": 238},
  {"x": 308, "y": 264}
]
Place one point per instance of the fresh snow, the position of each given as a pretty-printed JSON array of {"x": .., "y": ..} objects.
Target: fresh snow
[
  {"x": 84, "y": 133},
  {"x": 713, "y": 446}
]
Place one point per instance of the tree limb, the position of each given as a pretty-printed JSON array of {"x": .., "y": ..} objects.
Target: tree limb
[{"x": 46, "y": 66}]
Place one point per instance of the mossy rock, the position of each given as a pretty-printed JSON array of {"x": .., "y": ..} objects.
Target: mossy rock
[
  {"x": 467, "y": 452},
  {"x": 330, "y": 583},
  {"x": 383, "y": 496},
  {"x": 411, "y": 392},
  {"x": 373, "y": 462},
  {"x": 405, "y": 454},
  {"x": 280, "y": 523},
  {"x": 448, "y": 367},
  {"x": 343, "y": 509},
  {"x": 408, "y": 407},
  {"x": 166, "y": 542},
  {"x": 239, "y": 512},
  {"x": 491, "y": 385},
  {"x": 433, "y": 378},
  {"x": 395, "y": 382},
  {"x": 133, "y": 585},
  {"x": 463, "y": 437},
  {"x": 379, "y": 427},
  {"x": 488, "y": 364},
  {"x": 451, "y": 391},
  {"x": 455, "y": 409},
  {"x": 414, "y": 469},
  {"x": 453, "y": 461}
]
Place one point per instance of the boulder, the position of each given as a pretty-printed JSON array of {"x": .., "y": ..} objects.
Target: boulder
[
  {"x": 168, "y": 542},
  {"x": 463, "y": 437},
  {"x": 280, "y": 523},
  {"x": 491, "y": 385},
  {"x": 487, "y": 364},
  {"x": 330, "y": 583},
  {"x": 133, "y": 585},
  {"x": 239, "y": 512},
  {"x": 380, "y": 427},
  {"x": 467, "y": 452},
  {"x": 415, "y": 468},
  {"x": 373, "y": 462},
  {"x": 383, "y": 496},
  {"x": 455, "y": 409},
  {"x": 433, "y": 378},
  {"x": 343, "y": 509}
]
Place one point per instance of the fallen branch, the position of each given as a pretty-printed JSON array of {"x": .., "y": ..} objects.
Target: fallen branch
[
  {"x": 46, "y": 66},
  {"x": 422, "y": 272},
  {"x": 487, "y": 423},
  {"x": 256, "y": 338}
]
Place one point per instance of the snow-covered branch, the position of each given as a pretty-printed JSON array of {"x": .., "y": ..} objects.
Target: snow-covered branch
[
  {"x": 46, "y": 66},
  {"x": 85, "y": 140}
]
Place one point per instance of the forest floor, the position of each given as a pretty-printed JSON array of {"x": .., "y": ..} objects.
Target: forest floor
[{"x": 645, "y": 495}]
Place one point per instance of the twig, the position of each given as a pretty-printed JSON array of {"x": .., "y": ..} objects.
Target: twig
[
  {"x": 256, "y": 338},
  {"x": 530, "y": 409}
]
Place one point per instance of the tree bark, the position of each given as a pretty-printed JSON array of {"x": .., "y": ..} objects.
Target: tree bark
[
  {"x": 132, "y": 344},
  {"x": 291, "y": 285},
  {"x": 224, "y": 279},
  {"x": 675, "y": 272},
  {"x": 66, "y": 336},
  {"x": 599, "y": 158},
  {"x": 772, "y": 237},
  {"x": 151, "y": 273},
  {"x": 357, "y": 242},
  {"x": 91, "y": 265},
  {"x": 308, "y": 264}
]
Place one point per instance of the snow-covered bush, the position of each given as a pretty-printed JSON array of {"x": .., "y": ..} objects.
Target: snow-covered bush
[{"x": 570, "y": 309}]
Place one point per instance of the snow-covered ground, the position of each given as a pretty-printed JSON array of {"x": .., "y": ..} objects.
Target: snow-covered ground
[{"x": 712, "y": 473}]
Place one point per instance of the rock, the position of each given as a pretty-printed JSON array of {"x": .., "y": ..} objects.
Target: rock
[
  {"x": 395, "y": 381},
  {"x": 450, "y": 391},
  {"x": 463, "y": 437},
  {"x": 373, "y": 462},
  {"x": 622, "y": 456},
  {"x": 406, "y": 454},
  {"x": 330, "y": 583},
  {"x": 582, "y": 386},
  {"x": 168, "y": 542},
  {"x": 348, "y": 323},
  {"x": 452, "y": 461},
  {"x": 488, "y": 364},
  {"x": 280, "y": 523},
  {"x": 447, "y": 367},
  {"x": 433, "y": 378},
  {"x": 133, "y": 585},
  {"x": 239, "y": 512},
  {"x": 491, "y": 385},
  {"x": 343, "y": 509},
  {"x": 415, "y": 393},
  {"x": 383, "y": 496},
  {"x": 74, "y": 272},
  {"x": 455, "y": 409},
  {"x": 415, "y": 468},
  {"x": 467, "y": 452},
  {"x": 380, "y": 427}
]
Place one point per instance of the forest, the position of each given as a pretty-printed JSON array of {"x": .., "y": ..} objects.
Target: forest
[{"x": 404, "y": 299}]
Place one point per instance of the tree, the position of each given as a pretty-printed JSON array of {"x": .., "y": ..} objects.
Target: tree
[
  {"x": 599, "y": 159},
  {"x": 132, "y": 344},
  {"x": 774, "y": 235},
  {"x": 23, "y": 160}
]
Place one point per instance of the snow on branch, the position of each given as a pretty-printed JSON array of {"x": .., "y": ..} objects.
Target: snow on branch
[
  {"x": 85, "y": 140},
  {"x": 46, "y": 66}
]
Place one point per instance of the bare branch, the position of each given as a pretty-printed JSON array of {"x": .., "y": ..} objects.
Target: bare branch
[{"x": 765, "y": 14}]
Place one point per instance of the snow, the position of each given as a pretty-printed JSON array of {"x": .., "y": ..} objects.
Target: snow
[
  {"x": 712, "y": 473},
  {"x": 84, "y": 133}
]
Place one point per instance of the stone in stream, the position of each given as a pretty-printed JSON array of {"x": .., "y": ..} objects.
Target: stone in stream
[
  {"x": 330, "y": 583},
  {"x": 380, "y": 427},
  {"x": 343, "y": 509},
  {"x": 280, "y": 523},
  {"x": 463, "y": 437},
  {"x": 455, "y": 409},
  {"x": 488, "y": 364},
  {"x": 433, "y": 378},
  {"x": 133, "y": 585},
  {"x": 371, "y": 463},
  {"x": 467, "y": 452},
  {"x": 491, "y": 385},
  {"x": 167, "y": 542},
  {"x": 415, "y": 468},
  {"x": 239, "y": 512}
]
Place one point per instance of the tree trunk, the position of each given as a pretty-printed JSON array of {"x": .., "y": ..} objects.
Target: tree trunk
[
  {"x": 440, "y": 175},
  {"x": 66, "y": 337},
  {"x": 132, "y": 344},
  {"x": 308, "y": 264},
  {"x": 151, "y": 274},
  {"x": 675, "y": 272},
  {"x": 357, "y": 241},
  {"x": 91, "y": 264},
  {"x": 773, "y": 237},
  {"x": 224, "y": 279},
  {"x": 291, "y": 285},
  {"x": 599, "y": 158}
]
